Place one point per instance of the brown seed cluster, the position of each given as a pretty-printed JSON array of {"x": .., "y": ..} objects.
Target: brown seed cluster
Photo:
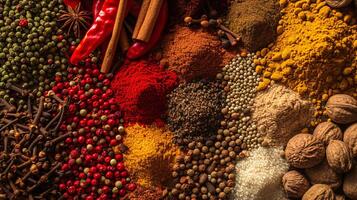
[
  {"x": 30, "y": 138},
  {"x": 206, "y": 169},
  {"x": 193, "y": 111}
]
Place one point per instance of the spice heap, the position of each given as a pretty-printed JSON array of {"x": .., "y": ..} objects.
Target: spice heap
[
  {"x": 326, "y": 157},
  {"x": 255, "y": 21},
  {"x": 29, "y": 155},
  {"x": 193, "y": 111},
  {"x": 31, "y": 46},
  {"x": 193, "y": 54},
  {"x": 259, "y": 175},
  {"x": 314, "y": 55},
  {"x": 206, "y": 169},
  {"x": 239, "y": 81},
  {"x": 140, "y": 89},
  {"x": 93, "y": 169},
  {"x": 279, "y": 114},
  {"x": 150, "y": 154}
]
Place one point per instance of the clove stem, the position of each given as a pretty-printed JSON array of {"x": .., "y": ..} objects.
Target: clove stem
[
  {"x": 39, "y": 111},
  {"x": 17, "y": 89},
  {"x": 8, "y": 123},
  {"x": 55, "y": 140},
  {"x": 225, "y": 29},
  {"x": 38, "y": 138},
  {"x": 55, "y": 97},
  {"x": 44, "y": 177},
  {"x": 7, "y": 105},
  {"x": 29, "y": 106}
]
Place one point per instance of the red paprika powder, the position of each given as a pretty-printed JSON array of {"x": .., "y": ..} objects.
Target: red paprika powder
[{"x": 140, "y": 89}]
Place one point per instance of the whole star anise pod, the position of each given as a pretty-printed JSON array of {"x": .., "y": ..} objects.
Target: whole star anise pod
[{"x": 75, "y": 20}]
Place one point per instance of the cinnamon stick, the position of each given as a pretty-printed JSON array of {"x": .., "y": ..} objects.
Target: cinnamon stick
[
  {"x": 139, "y": 22},
  {"x": 123, "y": 40},
  {"x": 109, "y": 54},
  {"x": 150, "y": 20}
]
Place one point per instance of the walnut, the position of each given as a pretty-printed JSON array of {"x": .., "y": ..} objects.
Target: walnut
[
  {"x": 342, "y": 108},
  {"x": 338, "y": 156},
  {"x": 324, "y": 174},
  {"x": 350, "y": 138},
  {"x": 327, "y": 131},
  {"x": 295, "y": 184},
  {"x": 319, "y": 192},
  {"x": 304, "y": 151},
  {"x": 350, "y": 184},
  {"x": 340, "y": 197}
]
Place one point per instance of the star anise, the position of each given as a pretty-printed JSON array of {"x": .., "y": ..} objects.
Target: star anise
[{"x": 75, "y": 20}]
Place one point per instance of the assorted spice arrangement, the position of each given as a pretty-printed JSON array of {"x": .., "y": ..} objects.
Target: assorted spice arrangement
[{"x": 178, "y": 100}]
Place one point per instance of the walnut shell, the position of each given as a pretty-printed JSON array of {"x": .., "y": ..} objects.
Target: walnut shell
[
  {"x": 342, "y": 108},
  {"x": 338, "y": 3},
  {"x": 295, "y": 184},
  {"x": 324, "y": 174},
  {"x": 340, "y": 197},
  {"x": 350, "y": 184},
  {"x": 319, "y": 192},
  {"x": 304, "y": 151},
  {"x": 338, "y": 156},
  {"x": 327, "y": 131},
  {"x": 350, "y": 138}
]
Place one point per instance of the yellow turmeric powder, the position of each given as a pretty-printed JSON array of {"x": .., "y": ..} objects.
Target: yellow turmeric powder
[
  {"x": 315, "y": 53},
  {"x": 150, "y": 154}
]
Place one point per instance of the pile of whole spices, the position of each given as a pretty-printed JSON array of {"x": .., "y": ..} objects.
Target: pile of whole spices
[
  {"x": 150, "y": 155},
  {"x": 324, "y": 161},
  {"x": 206, "y": 169},
  {"x": 194, "y": 111},
  {"x": 316, "y": 60},
  {"x": 280, "y": 113},
  {"x": 259, "y": 175},
  {"x": 30, "y": 155},
  {"x": 141, "y": 88},
  {"x": 32, "y": 47},
  {"x": 193, "y": 54},
  {"x": 93, "y": 168},
  {"x": 240, "y": 80},
  {"x": 255, "y": 21}
]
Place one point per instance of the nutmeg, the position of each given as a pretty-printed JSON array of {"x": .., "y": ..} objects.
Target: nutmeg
[
  {"x": 324, "y": 174},
  {"x": 350, "y": 138},
  {"x": 340, "y": 197},
  {"x": 295, "y": 184},
  {"x": 338, "y": 156},
  {"x": 304, "y": 151},
  {"x": 338, "y": 3},
  {"x": 350, "y": 184},
  {"x": 342, "y": 108},
  {"x": 327, "y": 131},
  {"x": 319, "y": 192}
]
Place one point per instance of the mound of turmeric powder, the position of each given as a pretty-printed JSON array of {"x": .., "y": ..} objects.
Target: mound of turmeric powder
[
  {"x": 315, "y": 53},
  {"x": 150, "y": 154}
]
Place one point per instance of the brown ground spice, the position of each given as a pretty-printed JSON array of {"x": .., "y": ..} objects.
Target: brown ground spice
[
  {"x": 194, "y": 53},
  {"x": 140, "y": 193},
  {"x": 255, "y": 21}
]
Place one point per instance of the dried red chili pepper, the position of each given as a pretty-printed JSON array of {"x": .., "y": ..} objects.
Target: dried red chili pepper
[
  {"x": 96, "y": 7},
  {"x": 139, "y": 48},
  {"x": 101, "y": 29}
]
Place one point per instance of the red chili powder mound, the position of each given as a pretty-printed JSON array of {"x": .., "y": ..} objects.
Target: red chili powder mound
[{"x": 140, "y": 89}]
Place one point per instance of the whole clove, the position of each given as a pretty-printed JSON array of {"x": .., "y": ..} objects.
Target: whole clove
[{"x": 30, "y": 139}]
